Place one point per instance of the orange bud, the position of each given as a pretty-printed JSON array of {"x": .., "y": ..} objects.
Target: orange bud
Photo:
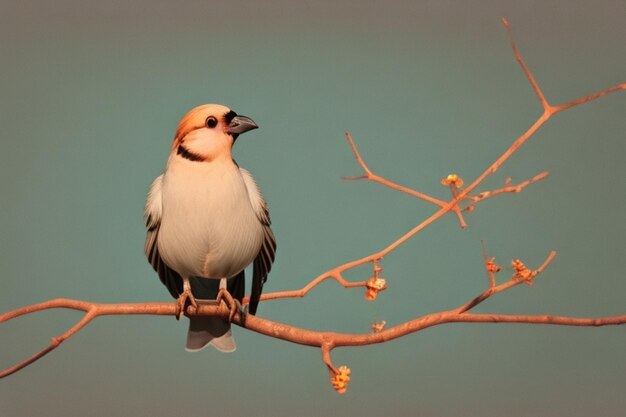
[
  {"x": 522, "y": 273},
  {"x": 452, "y": 179},
  {"x": 492, "y": 266},
  {"x": 378, "y": 326},
  {"x": 340, "y": 380},
  {"x": 373, "y": 286}
]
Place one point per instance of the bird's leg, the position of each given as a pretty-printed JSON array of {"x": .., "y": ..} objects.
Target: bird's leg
[
  {"x": 184, "y": 297},
  {"x": 233, "y": 305}
]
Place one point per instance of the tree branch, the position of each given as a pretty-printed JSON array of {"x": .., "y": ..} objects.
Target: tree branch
[
  {"x": 324, "y": 340},
  {"x": 327, "y": 341}
]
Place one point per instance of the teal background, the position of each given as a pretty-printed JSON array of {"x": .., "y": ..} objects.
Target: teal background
[{"x": 90, "y": 95}]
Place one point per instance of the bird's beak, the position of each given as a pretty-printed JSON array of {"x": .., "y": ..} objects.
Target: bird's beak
[{"x": 241, "y": 124}]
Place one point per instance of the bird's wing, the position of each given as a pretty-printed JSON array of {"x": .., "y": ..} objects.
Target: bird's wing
[
  {"x": 152, "y": 217},
  {"x": 263, "y": 262}
]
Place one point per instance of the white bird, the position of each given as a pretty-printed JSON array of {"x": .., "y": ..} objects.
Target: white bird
[{"x": 207, "y": 221}]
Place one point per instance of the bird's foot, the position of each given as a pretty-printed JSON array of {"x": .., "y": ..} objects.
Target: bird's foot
[
  {"x": 233, "y": 305},
  {"x": 184, "y": 299}
]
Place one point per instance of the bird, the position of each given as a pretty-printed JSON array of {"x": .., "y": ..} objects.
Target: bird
[{"x": 206, "y": 221}]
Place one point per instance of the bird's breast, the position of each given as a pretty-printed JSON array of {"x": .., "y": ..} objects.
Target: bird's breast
[{"x": 208, "y": 226}]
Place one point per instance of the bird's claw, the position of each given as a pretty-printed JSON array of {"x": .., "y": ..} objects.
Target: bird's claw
[
  {"x": 233, "y": 305},
  {"x": 184, "y": 299}
]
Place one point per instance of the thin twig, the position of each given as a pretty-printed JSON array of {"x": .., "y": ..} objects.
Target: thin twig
[
  {"x": 326, "y": 348},
  {"x": 336, "y": 275},
  {"x": 369, "y": 175},
  {"x": 495, "y": 289},
  {"x": 484, "y": 195},
  {"x": 490, "y": 272},
  {"x": 529, "y": 75}
]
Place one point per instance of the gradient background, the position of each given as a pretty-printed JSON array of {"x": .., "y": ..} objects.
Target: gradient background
[{"x": 90, "y": 95}]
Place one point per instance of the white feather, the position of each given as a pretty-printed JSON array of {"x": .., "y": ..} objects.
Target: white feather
[
  {"x": 256, "y": 198},
  {"x": 152, "y": 213},
  {"x": 209, "y": 227}
]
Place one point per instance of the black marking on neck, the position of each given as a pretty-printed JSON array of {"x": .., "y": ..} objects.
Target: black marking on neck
[
  {"x": 228, "y": 117},
  {"x": 185, "y": 153}
]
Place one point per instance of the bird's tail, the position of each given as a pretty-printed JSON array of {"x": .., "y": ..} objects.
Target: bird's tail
[
  {"x": 215, "y": 331},
  {"x": 205, "y": 330}
]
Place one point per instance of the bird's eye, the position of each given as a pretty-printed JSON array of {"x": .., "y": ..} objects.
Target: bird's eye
[{"x": 211, "y": 122}]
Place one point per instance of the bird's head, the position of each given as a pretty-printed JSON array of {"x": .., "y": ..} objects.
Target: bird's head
[{"x": 209, "y": 131}]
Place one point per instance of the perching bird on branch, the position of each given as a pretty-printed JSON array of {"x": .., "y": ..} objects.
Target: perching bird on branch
[{"x": 207, "y": 221}]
